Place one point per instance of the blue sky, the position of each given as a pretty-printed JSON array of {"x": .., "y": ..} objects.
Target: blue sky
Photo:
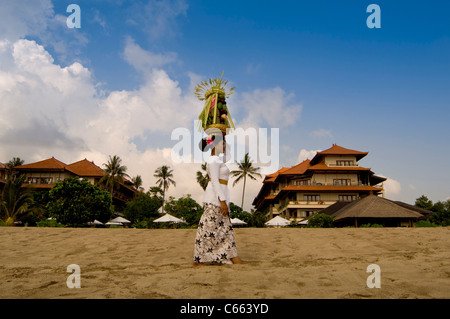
[{"x": 385, "y": 91}]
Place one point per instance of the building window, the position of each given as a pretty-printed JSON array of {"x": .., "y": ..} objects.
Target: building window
[
  {"x": 33, "y": 180},
  {"x": 311, "y": 198},
  {"x": 342, "y": 182},
  {"x": 46, "y": 180},
  {"x": 345, "y": 163},
  {"x": 347, "y": 198},
  {"x": 303, "y": 182}
]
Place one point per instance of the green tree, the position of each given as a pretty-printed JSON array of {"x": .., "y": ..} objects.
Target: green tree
[
  {"x": 185, "y": 207},
  {"x": 164, "y": 179},
  {"x": 15, "y": 201},
  {"x": 11, "y": 172},
  {"x": 447, "y": 205},
  {"x": 115, "y": 172},
  {"x": 245, "y": 168},
  {"x": 202, "y": 177},
  {"x": 142, "y": 207},
  {"x": 237, "y": 212},
  {"x": 137, "y": 183},
  {"x": 321, "y": 220},
  {"x": 155, "y": 191},
  {"x": 258, "y": 219},
  {"x": 438, "y": 207},
  {"x": 441, "y": 214},
  {"x": 424, "y": 202},
  {"x": 75, "y": 202}
]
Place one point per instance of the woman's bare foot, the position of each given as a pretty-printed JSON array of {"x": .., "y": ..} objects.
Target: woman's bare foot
[{"x": 237, "y": 260}]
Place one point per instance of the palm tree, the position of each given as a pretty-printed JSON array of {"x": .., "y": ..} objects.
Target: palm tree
[
  {"x": 137, "y": 183},
  {"x": 203, "y": 180},
  {"x": 164, "y": 174},
  {"x": 10, "y": 171},
  {"x": 154, "y": 191},
  {"x": 15, "y": 201},
  {"x": 245, "y": 168},
  {"x": 114, "y": 172}
]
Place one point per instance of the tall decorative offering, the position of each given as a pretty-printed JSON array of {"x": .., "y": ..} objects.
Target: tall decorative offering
[{"x": 215, "y": 113}]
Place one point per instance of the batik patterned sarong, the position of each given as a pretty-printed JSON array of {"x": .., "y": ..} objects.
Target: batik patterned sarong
[{"x": 214, "y": 242}]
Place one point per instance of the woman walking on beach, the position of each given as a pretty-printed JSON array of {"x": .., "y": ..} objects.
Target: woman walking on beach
[{"x": 215, "y": 243}]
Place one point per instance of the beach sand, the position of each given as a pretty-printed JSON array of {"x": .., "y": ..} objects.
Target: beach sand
[{"x": 281, "y": 263}]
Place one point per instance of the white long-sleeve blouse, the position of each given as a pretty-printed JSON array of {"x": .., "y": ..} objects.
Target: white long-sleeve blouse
[{"x": 216, "y": 169}]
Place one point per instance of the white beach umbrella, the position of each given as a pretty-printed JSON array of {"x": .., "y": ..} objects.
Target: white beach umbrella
[
  {"x": 95, "y": 222},
  {"x": 278, "y": 221},
  {"x": 237, "y": 221},
  {"x": 303, "y": 222},
  {"x": 120, "y": 220},
  {"x": 167, "y": 218},
  {"x": 114, "y": 223}
]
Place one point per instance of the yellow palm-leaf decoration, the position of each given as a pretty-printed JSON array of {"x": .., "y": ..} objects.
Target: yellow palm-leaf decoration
[{"x": 215, "y": 112}]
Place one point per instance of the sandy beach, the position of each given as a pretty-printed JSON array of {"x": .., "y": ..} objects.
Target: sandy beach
[{"x": 281, "y": 263}]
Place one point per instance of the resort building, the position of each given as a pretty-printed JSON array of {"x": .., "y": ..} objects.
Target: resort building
[
  {"x": 333, "y": 175},
  {"x": 43, "y": 175}
]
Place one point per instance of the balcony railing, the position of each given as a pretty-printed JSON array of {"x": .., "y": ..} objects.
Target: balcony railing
[
  {"x": 40, "y": 181},
  {"x": 303, "y": 204},
  {"x": 314, "y": 183},
  {"x": 340, "y": 165}
]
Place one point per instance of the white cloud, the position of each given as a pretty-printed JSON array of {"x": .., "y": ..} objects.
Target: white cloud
[
  {"x": 252, "y": 68},
  {"x": 305, "y": 154},
  {"x": 21, "y": 17},
  {"x": 321, "y": 133},
  {"x": 392, "y": 188},
  {"x": 98, "y": 18},
  {"x": 37, "y": 18},
  {"x": 41, "y": 95},
  {"x": 268, "y": 108},
  {"x": 143, "y": 60},
  {"x": 157, "y": 18}
]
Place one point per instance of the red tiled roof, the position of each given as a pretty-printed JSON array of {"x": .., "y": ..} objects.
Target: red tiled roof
[
  {"x": 80, "y": 168},
  {"x": 273, "y": 176},
  {"x": 297, "y": 169},
  {"x": 338, "y": 150},
  {"x": 85, "y": 168},
  {"x": 51, "y": 163}
]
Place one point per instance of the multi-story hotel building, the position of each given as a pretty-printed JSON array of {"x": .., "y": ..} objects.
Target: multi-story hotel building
[
  {"x": 302, "y": 190},
  {"x": 43, "y": 175}
]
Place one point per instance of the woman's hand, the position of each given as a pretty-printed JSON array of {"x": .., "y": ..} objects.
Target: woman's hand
[{"x": 224, "y": 206}]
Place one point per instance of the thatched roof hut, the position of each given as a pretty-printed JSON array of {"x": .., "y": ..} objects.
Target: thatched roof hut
[
  {"x": 371, "y": 209},
  {"x": 425, "y": 212}
]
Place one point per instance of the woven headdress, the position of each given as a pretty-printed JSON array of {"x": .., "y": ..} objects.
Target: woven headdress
[{"x": 215, "y": 112}]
